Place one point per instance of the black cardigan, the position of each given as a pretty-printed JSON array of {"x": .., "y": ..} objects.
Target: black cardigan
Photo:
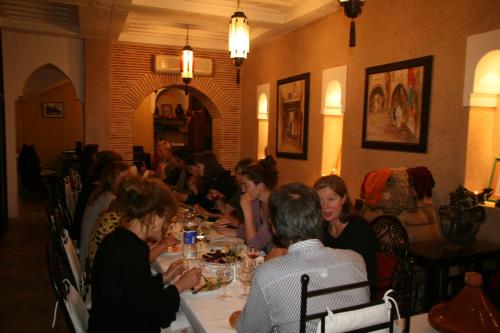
[{"x": 125, "y": 296}]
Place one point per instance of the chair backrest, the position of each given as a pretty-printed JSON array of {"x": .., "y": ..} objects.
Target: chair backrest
[
  {"x": 391, "y": 234},
  {"x": 393, "y": 246},
  {"x": 73, "y": 260},
  {"x": 360, "y": 318},
  {"x": 72, "y": 306}
]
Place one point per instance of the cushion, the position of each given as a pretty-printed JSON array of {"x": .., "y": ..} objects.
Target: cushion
[{"x": 386, "y": 264}]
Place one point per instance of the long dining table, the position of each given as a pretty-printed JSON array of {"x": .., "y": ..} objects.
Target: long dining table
[{"x": 206, "y": 312}]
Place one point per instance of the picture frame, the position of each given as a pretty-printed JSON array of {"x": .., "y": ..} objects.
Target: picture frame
[
  {"x": 167, "y": 111},
  {"x": 494, "y": 182},
  {"x": 292, "y": 116},
  {"x": 53, "y": 110},
  {"x": 396, "y": 105}
]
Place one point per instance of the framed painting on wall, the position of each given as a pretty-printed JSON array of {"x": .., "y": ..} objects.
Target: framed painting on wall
[
  {"x": 292, "y": 117},
  {"x": 396, "y": 105},
  {"x": 52, "y": 110},
  {"x": 495, "y": 180}
]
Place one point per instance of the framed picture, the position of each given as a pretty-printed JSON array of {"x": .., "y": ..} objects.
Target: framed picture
[
  {"x": 495, "y": 180},
  {"x": 396, "y": 108},
  {"x": 167, "y": 111},
  {"x": 53, "y": 110},
  {"x": 292, "y": 117}
]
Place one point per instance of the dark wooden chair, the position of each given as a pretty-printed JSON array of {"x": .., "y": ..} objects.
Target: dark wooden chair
[{"x": 402, "y": 296}]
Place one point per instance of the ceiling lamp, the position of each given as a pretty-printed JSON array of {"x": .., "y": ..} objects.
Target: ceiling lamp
[
  {"x": 187, "y": 64},
  {"x": 352, "y": 8},
  {"x": 239, "y": 39}
]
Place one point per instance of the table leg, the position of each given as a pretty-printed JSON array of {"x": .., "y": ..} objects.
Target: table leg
[{"x": 431, "y": 287}]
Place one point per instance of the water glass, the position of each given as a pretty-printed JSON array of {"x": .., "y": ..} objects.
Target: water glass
[
  {"x": 245, "y": 274},
  {"x": 225, "y": 276}
]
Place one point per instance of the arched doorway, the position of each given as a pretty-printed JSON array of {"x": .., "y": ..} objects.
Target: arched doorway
[
  {"x": 169, "y": 114},
  {"x": 48, "y": 117}
]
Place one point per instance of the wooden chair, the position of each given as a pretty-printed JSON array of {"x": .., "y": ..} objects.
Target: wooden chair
[
  {"x": 67, "y": 296},
  {"x": 363, "y": 313}
]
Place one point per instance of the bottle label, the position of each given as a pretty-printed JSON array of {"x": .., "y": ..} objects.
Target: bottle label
[{"x": 190, "y": 237}]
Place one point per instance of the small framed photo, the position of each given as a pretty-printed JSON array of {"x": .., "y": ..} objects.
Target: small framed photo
[
  {"x": 53, "y": 110},
  {"x": 495, "y": 180}
]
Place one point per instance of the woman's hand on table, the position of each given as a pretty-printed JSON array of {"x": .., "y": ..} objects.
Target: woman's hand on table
[
  {"x": 189, "y": 279},
  {"x": 221, "y": 227},
  {"x": 175, "y": 269}
]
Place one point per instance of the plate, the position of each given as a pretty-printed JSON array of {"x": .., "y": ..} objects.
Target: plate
[{"x": 211, "y": 284}]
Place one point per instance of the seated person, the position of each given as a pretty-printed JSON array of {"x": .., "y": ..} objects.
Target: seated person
[
  {"x": 273, "y": 304},
  {"x": 211, "y": 174},
  {"x": 187, "y": 184},
  {"x": 257, "y": 181},
  {"x": 98, "y": 201},
  {"x": 111, "y": 218},
  {"x": 343, "y": 228},
  {"x": 232, "y": 208},
  {"x": 125, "y": 296}
]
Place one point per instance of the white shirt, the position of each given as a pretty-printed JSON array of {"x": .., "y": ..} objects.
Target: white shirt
[{"x": 273, "y": 304}]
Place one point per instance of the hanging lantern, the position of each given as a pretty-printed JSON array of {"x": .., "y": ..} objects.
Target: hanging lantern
[
  {"x": 239, "y": 39},
  {"x": 352, "y": 8},
  {"x": 186, "y": 64}
]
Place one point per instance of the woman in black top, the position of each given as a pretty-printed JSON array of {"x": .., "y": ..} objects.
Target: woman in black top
[
  {"x": 343, "y": 228},
  {"x": 125, "y": 296},
  {"x": 212, "y": 176}
]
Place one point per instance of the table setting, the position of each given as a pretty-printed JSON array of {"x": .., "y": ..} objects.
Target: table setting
[{"x": 227, "y": 269}]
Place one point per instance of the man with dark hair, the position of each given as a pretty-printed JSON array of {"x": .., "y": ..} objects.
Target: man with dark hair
[{"x": 273, "y": 304}]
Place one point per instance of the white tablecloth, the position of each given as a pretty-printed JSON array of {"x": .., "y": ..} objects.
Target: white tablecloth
[{"x": 207, "y": 313}]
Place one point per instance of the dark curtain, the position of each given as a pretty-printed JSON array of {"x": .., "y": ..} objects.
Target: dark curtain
[{"x": 3, "y": 156}]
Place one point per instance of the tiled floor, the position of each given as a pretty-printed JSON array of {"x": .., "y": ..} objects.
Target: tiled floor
[{"x": 26, "y": 296}]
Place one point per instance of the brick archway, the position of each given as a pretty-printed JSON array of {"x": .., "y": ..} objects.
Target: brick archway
[{"x": 220, "y": 105}]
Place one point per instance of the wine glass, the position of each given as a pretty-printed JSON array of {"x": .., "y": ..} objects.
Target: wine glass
[
  {"x": 245, "y": 273},
  {"x": 225, "y": 276},
  {"x": 253, "y": 253}
]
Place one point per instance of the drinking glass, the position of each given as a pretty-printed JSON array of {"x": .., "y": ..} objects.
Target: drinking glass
[
  {"x": 253, "y": 253},
  {"x": 225, "y": 276},
  {"x": 245, "y": 274}
]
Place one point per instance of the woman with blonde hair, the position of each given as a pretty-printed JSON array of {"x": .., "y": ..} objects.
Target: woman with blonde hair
[{"x": 125, "y": 296}]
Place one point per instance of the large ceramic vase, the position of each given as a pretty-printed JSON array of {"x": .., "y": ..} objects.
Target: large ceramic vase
[{"x": 461, "y": 228}]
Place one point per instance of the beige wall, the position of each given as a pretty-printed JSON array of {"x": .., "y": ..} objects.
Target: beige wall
[
  {"x": 23, "y": 54},
  {"x": 49, "y": 135},
  {"x": 387, "y": 31},
  {"x": 143, "y": 127}
]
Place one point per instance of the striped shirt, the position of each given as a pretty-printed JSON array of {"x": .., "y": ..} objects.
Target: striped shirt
[{"x": 273, "y": 304}]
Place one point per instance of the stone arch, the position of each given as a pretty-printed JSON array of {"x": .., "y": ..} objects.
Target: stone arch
[{"x": 206, "y": 89}]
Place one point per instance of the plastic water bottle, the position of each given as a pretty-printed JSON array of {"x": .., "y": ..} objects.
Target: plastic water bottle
[{"x": 189, "y": 248}]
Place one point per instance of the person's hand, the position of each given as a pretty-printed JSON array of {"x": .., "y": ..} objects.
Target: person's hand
[
  {"x": 220, "y": 224},
  {"x": 245, "y": 202},
  {"x": 170, "y": 240},
  {"x": 189, "y": 279},
  {"x": 276, "y": 252},
  {"x": 221, "y": 227},
  {"x": 176, "y": 268}
]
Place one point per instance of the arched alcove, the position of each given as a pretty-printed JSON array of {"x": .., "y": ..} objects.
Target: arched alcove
[
  {"x": 50, "y": 133},
  {"x": 262, "y": 119},
  {"x": 483, "y": 141},
  {"x": 333, "y": 109}
]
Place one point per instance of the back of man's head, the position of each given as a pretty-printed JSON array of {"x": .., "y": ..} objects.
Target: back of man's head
[{"x": 295, "y": 213}]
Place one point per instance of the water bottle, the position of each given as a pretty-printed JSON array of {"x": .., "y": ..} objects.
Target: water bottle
[{"x": 189, "y": 248}]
